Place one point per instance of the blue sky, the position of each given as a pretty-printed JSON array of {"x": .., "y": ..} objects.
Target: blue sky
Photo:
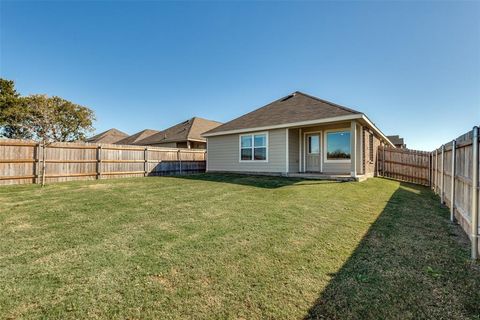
[{"x": 412, "y": 67}]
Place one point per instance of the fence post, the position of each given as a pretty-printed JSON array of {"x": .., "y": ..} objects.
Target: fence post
[
  {"x": 145, "y": 164},
  {"x": 99, "y": 162},
  {"x": 442, "y": 177},
  {"x": 37, "y": 163},
  {"x": 430, "y": 169},
  {"x": 452, "y": 194},
  {"x": 383, "y": 162},
  {"x": 44, "y": 167},
  {"x": 179, "y": 159},
  {"x": 436, "y": 171},
  {"x": 474, "y": 225}
]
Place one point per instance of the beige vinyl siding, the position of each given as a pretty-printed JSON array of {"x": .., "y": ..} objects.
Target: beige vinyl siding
[
  {"x": 293, "y": 152},
  {"x": 223, "y": 154}
]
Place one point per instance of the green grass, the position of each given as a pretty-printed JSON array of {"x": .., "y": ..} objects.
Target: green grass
[{"x": 227, "y": 246}]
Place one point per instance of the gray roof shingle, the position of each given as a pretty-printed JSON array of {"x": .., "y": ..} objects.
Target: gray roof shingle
[
  {"x": 295, "y": 107},
  {"x": 110, "y": 136}
]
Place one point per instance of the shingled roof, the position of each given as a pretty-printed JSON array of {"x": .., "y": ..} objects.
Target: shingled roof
[
  {"x": 295, "y": 107},
  {"x": 135, "y": 138},
  {"x": 191, "y": 129},
  {"x": 110, "y": 136}
]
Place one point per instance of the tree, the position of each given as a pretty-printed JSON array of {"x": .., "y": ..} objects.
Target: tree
[
  {"x": 13, "y": 112},
  {"x": 42, "y": 118},
  {"x": 56, "y": 120},
  {"x": 53, "y": 119}
]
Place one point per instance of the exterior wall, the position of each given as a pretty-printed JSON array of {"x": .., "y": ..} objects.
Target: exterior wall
[
  {"x": 368, "y": 164},
  {"x": 166, "y": 145},
  {"x": 223, "y": 154},
  {"x": 182, "y": 144},
  {"x": 198, "y": 145},
  {"x": 360, "y": 151},
  {"x": 293, "y": 150},
  {"x": 328, "y": 167}
]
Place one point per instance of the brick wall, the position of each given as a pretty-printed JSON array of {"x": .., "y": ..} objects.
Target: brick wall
[{"x": 370, "y": 148}]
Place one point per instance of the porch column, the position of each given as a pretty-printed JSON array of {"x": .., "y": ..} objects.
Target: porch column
[{"x": 353, "y": 148}]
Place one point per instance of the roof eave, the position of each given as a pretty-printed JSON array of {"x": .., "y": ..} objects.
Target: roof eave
[
  {"x": 306, "y": 123},
  {"x": 286, "y": 125}
]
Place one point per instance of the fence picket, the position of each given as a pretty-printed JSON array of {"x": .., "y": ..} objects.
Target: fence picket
[{"x": 24, "y": 161}]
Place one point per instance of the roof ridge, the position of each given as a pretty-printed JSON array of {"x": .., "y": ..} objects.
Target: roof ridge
[
  {"x": 328, "y": 102},
  {"x": 191, "y": 125}
]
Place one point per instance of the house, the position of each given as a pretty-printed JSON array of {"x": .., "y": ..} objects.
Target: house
[
  {"x": 110, "y": 136},
  {"x": 187, "y": 134},
  {"x": 135, "y": 138},
  {"x": 397, "y": 141},
  {"x": 295, "y": 135}
]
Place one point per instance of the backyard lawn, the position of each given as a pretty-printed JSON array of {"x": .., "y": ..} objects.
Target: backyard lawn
[{"x": 236, "y": 247}]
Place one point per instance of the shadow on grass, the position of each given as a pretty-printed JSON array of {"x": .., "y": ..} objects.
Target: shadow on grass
[
  {"x": 259, "y": 181},
  {"x": 412, "y": 264}
]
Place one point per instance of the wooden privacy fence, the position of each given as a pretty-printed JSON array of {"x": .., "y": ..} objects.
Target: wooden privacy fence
[
  {"x": 22, "y": 161},
  {"x": 405, "y": 165},
  {"x": 455, "y": 176},
  {"x": 452, "y": 171}
]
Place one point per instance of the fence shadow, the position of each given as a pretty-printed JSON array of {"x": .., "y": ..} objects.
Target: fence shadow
[
  {"x": 409, "y": 265},
  {"x": 261, "y": 181}
]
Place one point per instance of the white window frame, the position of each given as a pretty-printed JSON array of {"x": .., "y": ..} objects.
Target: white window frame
[
  {"x": 325, "y": 143},
  {"x": 253, "y": 134}
]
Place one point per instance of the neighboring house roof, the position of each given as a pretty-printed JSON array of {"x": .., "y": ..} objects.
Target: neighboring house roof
[
  {"x": 296, "y": 107},
  {"x": 110, "y": 136},
  {"x": 191, "y": 129},
  {"x": 397, "y": 141},
  {"x": 135, "y": 138}
]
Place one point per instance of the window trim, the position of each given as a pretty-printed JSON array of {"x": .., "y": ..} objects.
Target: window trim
[
  {"x": 252, "y": 134},
  {"x": 325, "y": 137}
]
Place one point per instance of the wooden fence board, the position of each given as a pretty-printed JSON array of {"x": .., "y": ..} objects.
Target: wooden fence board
[
  {"x": 452, "y": 179},
  {"x": 405, "y": 165},
  {"x": 21, "y": 161}
]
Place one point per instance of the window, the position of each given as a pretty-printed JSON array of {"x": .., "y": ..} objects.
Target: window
[
  {"x": 314, "y": 144},
  {"x": 338, "y": 145},
  {"x": 253, "y": 147}
]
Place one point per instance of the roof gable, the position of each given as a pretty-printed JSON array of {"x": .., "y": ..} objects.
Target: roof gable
[
  {"x": 191, "y": 129},
  {"x": 110, "y": 136},
  {"x": 296, "y": 107},
  {"x": 135, "y": 138}
]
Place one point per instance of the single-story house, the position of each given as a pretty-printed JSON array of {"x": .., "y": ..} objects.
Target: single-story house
[
  {"x": 295, "y": 135},
  {"x": 187, "y": 134},
  {"x": 137, "y": 137},
  {"x": 110, "y": 136},
  {"x": 397, "y": 141}
]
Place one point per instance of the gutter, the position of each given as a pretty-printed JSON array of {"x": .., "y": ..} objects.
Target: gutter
[{"x": 360, "y": 116}]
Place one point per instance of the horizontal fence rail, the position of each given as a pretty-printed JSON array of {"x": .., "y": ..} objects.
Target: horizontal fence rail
[
  {"x": 405, "y": 165},
  {"x": 23, "y": 161}
]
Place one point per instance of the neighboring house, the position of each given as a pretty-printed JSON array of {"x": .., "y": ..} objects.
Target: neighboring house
[
  {"x": 187, "y": 134},
  {"x": 135, "y": 138},
  {"x": 296, "y": 134},
  {"x": 397, "y": 141},
  {"x": 110, "y": 136}
]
